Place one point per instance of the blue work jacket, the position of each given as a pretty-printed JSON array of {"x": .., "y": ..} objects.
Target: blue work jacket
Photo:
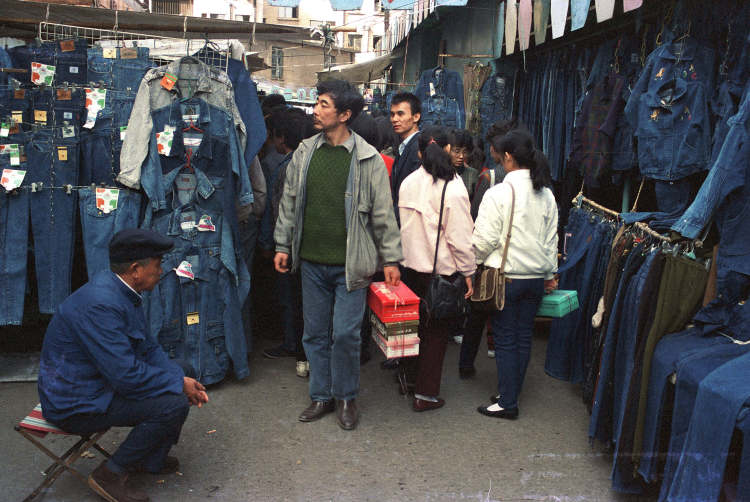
[{"x": 97, "y": 346}]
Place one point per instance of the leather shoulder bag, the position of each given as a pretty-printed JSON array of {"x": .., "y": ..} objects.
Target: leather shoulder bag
[
  {"x": 444, "y": 298},
  {"x": 489, "y": 282}
]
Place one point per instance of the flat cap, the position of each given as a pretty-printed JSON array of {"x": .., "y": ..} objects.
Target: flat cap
[{"x": 133, "y": 244}]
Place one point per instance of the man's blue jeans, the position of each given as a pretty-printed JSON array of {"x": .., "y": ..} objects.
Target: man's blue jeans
[
  {"x": 512, "y": 329},
  {"x": 156, "y": 422},
  {"x": 333, "y": 317}
]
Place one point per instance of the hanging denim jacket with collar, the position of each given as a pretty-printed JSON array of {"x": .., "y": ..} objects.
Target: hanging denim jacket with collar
[
  {"x": 441, "y": 92},
  {"x": 219, "y": 152},
  {"x": 148, "y": 117},
  {"x": 673, "y": 129}
]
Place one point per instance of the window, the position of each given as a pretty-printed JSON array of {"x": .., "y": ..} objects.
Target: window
[
  {"x": 218, "y": 16},
  {"x": 242, "y": 17},
  {"x": 376, "y": 43},
  {"x": 288, "y": 12},
  {"x": 277, "y": 63},
  {"x": 355, "y": 42}
]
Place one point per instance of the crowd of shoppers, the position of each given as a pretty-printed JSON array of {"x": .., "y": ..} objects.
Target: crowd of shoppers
[{"x": 354, "y": 198}]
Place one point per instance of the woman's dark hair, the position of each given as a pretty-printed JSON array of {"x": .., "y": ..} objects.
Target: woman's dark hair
[
  {"x": 435, "y": 160},
  {"x": 365, "y": 126},
  {"x": 520, "y": 145},
  {"x": 293, "y": 125},
  {"x": 477, "y": 156},
  {"x": 461, "y": 138}
]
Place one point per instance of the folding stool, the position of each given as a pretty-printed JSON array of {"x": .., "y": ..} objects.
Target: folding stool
[{"x": 34, "y": 428}]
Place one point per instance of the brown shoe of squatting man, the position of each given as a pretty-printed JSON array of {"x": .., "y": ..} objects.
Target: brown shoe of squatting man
[{"x": 114, "y": 487}]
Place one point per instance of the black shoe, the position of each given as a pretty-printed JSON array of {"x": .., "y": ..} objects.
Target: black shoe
[
  {"x": 316, "y": 410},
  {"x": 495, "y": 399},
  {"x": 465, "y": 373},
  {"x": 426, "y": 405},
  {"x": 347, "y": 414},
  {"x": 510, "y": 413},
  {"x": 278, "y": 353}
]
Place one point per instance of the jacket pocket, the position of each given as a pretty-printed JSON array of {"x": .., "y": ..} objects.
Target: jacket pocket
[
  {"x": 170, "y": 338},
  {"x": 216, "y": 362}
]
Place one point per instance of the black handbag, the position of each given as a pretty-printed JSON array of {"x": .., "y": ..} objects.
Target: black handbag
[{"x": 444, "y": 298}]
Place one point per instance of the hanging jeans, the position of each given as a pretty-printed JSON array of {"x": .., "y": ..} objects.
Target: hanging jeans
[
  {"x": 99, "y": 227},
  {"x": 700, "y": 471},
  {"x": 53, "y": 163},
  {"x": 14, "y": 246}
]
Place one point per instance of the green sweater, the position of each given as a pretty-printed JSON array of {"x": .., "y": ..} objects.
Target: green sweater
[{"x": 324, "y": 223}]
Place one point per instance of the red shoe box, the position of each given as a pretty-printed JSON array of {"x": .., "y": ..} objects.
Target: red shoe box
[{"x": 393, "y": 303}]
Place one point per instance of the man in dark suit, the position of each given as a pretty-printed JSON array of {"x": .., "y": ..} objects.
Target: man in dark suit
[{"x": 405, "y": 113}]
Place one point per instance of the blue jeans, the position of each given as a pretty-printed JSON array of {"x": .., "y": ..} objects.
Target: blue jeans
[
  {"x": 53, "y": 213},
  {"x": 118, "y": 73},
  {"x": 98, "y": 227},
  {"x": 333, "y": 317},
  {"x": 14, "y": 246},
  {"x": 156, "y": 422},
  {"x": 512, "y": 329}
]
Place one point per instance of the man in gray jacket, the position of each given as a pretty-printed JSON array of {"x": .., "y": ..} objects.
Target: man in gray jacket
[{"x": 336, "y": 224}]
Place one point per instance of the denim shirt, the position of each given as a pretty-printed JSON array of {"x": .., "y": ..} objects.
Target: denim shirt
[
  {"x": 211, "y": 86},
  {"x": 446, "y": 83},
  {"x": 219, "y": 150},
  {"x": 726, "y": 193},
  {"x": 673, "y": 129},
  {"x": 496, "y": 102}
]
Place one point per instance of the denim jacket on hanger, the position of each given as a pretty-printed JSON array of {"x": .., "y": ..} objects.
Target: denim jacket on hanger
[{"x": 441, "y": 92}]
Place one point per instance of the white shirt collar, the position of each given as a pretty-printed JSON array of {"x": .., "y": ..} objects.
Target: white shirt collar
[
  {"x": 403, "y": 144},
  {"x": 129, "y": 286}
]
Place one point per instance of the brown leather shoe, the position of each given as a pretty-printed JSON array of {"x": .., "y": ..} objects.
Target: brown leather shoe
[
  {"x": 347, "y": 414},
  {"x": 316, "y": 410},
  {"x": 424, "y": 405},
  {"x": 113, "y": 487}
]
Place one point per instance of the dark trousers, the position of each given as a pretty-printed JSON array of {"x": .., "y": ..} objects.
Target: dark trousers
[
  {"x": 426, "y": 370},
  {"x": 512, "y": 329},
  {"x": 156, "y": 422},
  {"x": 472, "y": 338}
]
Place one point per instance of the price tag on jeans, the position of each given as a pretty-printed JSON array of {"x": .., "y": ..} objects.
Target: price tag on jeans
[
  {"x": 62, "y": 153},
  {"x": 106, "y": 199},
  {"x": 40, "y": 116},
  {"x": 19, "y": 93},
  {"x": 205, "y": 224},
  {"x": 164, "y": 141},
  {"x": 95, "y": 101},
  {"x": 4, "y": 130},
  {"x": 123, "y": 130},
  {"x": 109, "y": 53},
  {"x": 432, "y": 89},
  {"x": 15, "y": 159},
  {"x": 193, "y": 318},
  {"x": 17, "y": 117},
  {"x": 42, "y": 74},
  {"x": 73, "y": 69},
  {"x": 68, "y": 131},
  {"x": 12, "y": 178},
  {"x": 64, "y": 94}
]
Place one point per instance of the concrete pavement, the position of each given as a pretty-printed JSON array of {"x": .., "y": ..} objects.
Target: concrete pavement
[{"x": 247, "y": 445}]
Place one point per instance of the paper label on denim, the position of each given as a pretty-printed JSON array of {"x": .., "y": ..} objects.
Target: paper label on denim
[
  {"x": 95, "y": 101},
  {"x": 68, "y": 131},
  {"x": 109, "y": 53},
  {"x": 164, "y": 141},
  {"x": 4, "y": 130},
  {"x": 106, "y": 199},
  {"x": 16, "y": 117},
  {"x": 9, "y": 149},
  {"x": 205, "y": 224},
  {"x": 193, "y": 318},
  {"x": 123, "y": 130},
  {"x": 42, "y": 74},
  {"x": 185, "y": 269},
  {"x": 187, "y": 221},
  {"x": 168, "y": 81},
  {"x": 12, "y": 178}
]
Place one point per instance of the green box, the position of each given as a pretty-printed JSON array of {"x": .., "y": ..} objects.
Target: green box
[{"x": 559, "y": 303}]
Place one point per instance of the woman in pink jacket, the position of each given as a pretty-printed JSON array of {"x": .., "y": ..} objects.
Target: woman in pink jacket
[{"x": 419, "y": 210}]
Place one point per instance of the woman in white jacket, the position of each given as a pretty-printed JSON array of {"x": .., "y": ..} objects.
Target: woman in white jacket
[{"x": 531, "y": 261}]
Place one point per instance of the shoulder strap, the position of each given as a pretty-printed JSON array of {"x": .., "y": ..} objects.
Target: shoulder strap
[
  {"x": 510, "y": 227},
  {"x": 440, "y": 223}
]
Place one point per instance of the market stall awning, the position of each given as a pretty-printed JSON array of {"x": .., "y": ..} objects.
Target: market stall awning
[
  {"x": 358, "y": 73},
  {"x": 21, "y": 19}
]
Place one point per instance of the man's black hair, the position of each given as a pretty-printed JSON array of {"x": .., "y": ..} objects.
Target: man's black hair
[
  {"x": 345, "y": 97},
  {"x": 365, "y": 126},
  {"x": 406, "y": 97},
  {"x": 271, "y": 101}
]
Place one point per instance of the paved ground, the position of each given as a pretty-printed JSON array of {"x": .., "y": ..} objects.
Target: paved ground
[{"x": 259, "y": 451}]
